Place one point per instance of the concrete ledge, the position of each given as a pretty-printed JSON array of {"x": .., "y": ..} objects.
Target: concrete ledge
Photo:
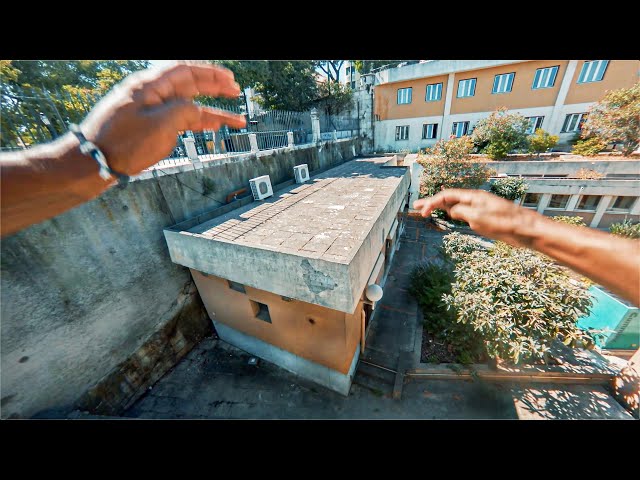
[{"x": 327, "y": 377}]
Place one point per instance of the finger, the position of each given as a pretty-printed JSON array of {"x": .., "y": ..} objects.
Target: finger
[
  {"x": 187, "y": 81},
  {"x": 184, "y": 115},
  {"x": 461, "y": 211}
]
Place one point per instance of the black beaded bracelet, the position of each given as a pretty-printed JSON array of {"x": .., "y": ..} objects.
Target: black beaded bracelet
[{"x": 90, "y": 148}]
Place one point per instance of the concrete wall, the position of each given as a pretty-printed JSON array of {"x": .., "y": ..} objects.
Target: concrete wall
[
  {"x": 600, "y": 165},
  {"x": 85, "y": 291}
]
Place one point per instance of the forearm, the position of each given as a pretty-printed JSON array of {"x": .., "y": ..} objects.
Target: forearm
[
  {"x": 611, "y": 261},
  {"x": 45, "y": 181}
]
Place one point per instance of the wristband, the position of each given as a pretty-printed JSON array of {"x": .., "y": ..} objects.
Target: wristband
[{"x": 90, "y": 148}]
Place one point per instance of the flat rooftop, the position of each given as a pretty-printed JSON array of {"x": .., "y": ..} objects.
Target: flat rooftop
[{"x": 322, "y": 229}]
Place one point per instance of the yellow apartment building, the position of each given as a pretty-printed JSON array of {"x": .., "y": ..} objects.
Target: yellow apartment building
[{"x": 418, "y": 104}]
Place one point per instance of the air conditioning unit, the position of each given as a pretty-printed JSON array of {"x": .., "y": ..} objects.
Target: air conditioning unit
[
  {"x": 261, "y": 187},
  {"x": 301, "y": 172}
]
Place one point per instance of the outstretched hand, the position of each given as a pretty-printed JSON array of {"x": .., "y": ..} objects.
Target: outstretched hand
[
  {"x": 137, "y": 123},
  {"x": 487, "y": 214}
]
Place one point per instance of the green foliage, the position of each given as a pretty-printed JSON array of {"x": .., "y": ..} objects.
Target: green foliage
[
  {"x": 577, "y": 221},
  {"x": 589, "y": 146},
  {"x": 208, "y": 185},
  {"x": 515, "y": 300},
  {"x": 366, "y": 66},
  {"x": 511, "y": 188},
  {"x": 542, "y": 141},
  {"x": 626, "y": 228},
  {"x": 334, "y": 97},
  {"x": 448, "y": 165},
  {"x": 500, "y": 133},
  {"x": 430, "y": 282},
  {"x": 616, "y": 118}
]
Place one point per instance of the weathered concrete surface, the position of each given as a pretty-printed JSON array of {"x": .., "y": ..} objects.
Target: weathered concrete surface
[
  {"x": 568, "y": 167},
  {"x": 316, "y": 242},
  {"x": 83, "y": 292}
]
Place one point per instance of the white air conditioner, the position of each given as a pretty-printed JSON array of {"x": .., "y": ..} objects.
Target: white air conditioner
[
  {"x": 261, "y": 187},
  {"x": 301, "y": 172}
]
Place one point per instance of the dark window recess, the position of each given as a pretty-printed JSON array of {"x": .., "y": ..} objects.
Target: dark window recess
[
  {"x": 286, "y": 299},
  {"x": 261, "y": 311},
  {"x": 238, "y": 287}
]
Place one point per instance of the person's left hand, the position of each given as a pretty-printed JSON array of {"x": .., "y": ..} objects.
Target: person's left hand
[{"x": 137, "y": 123}]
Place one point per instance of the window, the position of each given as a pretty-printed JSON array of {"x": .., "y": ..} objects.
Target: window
[
  {"x": 460, "y": 129},
  {"x": 503, "y": 83},
  {"x": 545, "y": 78},
  {"x": 534, "y": 124},
  {"x": 260, "y": 311},
  {"x": 347, "y": 71},
  {"x": 531, "y": 200},
  {"x": 238, "y": 287},
  {"x": 593, "y": 71},
  {"x": 434, "y": 92},
  {"x": 429, "y": 130},
  {"x": 559, "y": 201},
  {"x": 573, "y": 122},
  {"x": 621, "y": 204},
  {"x": 588, "y": 202},
  {"x": 404, "y": 95},
  {"x": 402, "y": 132},
  {"x": 467, "y": 88},
  {"x": 353, "y": 85}
]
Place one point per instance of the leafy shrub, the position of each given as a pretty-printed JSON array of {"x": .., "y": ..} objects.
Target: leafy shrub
[
  {"x": 448, "y": 165},
  {"x": 577, "y": 221},
  {"x": 501, "y": 133},
  {"x": 516, "y": 301},
  {"x": 589, "y": 147},
  {"x": 429, "y": 283},
  {"x": 456, "y": 244},
  {"x": 511, "y": 188},
  {"x": 626, "y": 228},
  {"x": 542, "y": 141},
  {"x": 616, "y": 118},
  {"x": 588, "y": 174}
]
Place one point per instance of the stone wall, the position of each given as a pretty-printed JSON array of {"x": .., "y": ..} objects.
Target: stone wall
[{"x": 93, "y": 310}]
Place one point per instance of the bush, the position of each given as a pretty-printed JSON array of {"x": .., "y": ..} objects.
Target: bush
[
  {"x": 448, "y": 165},
  {"x": 510, "y": 188},
  {"x": 542, "y": 141},
  {"x": 589, "y": 174},
  {"x": 616, "y": 118},
  {"x": 577, "y": 221},
  {"x": 516, "y": 301},
  {"x": 501, "y": 133},
  {"x": 626, "y": 229},
  {"x": 589, "y": 147},
  {"x": 429, "y": 283}
]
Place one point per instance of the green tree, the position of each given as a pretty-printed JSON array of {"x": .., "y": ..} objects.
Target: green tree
[
  {"x": 331, "y": 68},
  {"x": 616, "y": 118},
  {"x": 448, "y": 165},
  {"x": 510, "y": 188},
  {"x": 500, "y": 133},
  {"x": 569, "y": 220},
  {"x": 367, "y": 66},
  {"x": 542, "y": 141},
  {"x": 626, "y": 228},
  {"x": 515, "y": 300},
  {"x": 589, "y": 147},
  {"x": 334, "y": 97}
]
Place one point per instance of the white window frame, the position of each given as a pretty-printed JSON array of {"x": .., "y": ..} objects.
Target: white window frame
[
  {"x": 425, "y": 130},
  {"x": 588, "y": 209},
  {"x": 455, "y": 127},
  {"x": 402, "y": 132},
  {"x": 593, "y": 71},
  {"x": 549, "y": 207},
  {"x": 534, "y": 206},
  {"x": 436, "y": 92},
  {"x": 467, "y": 87},
  {"x": 534, "y": 124},
  {"x": 503, "y": 83},
  {"x": 545, "y": 77},
  {"x": 568, "y": 120},
  {"x": 610, "y": 208},
  {"x": 403, "y": 96}
]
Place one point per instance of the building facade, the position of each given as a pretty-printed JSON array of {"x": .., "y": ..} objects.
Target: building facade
[
  {"x": 289, "y": 279},
  {"x": 418, "y": 104}
]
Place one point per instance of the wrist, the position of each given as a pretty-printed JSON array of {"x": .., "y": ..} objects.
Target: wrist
[{"x": 528, "y": 227}]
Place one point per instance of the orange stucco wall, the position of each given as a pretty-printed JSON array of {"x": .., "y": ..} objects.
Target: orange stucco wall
[
  {"x": 521, "y": 95},
  {"x": 619, "y": 74},
  {"x": 330, "y": 338},
  {"x": 388, "y": 108}
]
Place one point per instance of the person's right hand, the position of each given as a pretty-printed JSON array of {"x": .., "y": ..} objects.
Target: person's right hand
[
  {"x": 136, "y": 125},
  {"x": 487, "y": 214}
]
